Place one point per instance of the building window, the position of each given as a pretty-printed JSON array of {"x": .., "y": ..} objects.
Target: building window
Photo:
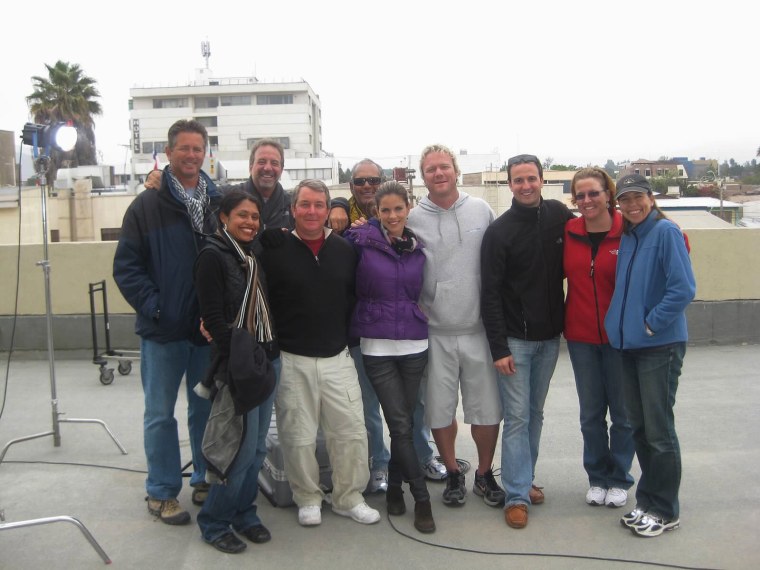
[
  {"x": 110, "y": 234},
  {"x": 158, "y": 146},
  {"x": 207, "y": 121},
  {"x": 636, "y": 171},
  {"x": 284, "y": 141},
  {"x": 235, "y": 100},
  {"x": 55, "y": 236},
  {"x": 285, "y": 99},
  {"x": 647, "y": 173},
  {"x": 213, "y": 142},
  {"x": 206, "y": 102},
  {"x": 170, "y": 103}
]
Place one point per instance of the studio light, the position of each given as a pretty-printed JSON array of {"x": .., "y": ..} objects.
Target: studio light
[{"x": 59, "y": 136}]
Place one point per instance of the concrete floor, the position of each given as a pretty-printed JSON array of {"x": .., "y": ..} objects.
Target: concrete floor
[{"x": 718, "y": 420}]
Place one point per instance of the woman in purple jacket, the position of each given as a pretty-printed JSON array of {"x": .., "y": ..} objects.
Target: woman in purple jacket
[{"x": 393, "y": 333}]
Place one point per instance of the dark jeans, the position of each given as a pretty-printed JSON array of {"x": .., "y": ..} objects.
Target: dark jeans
[
  {"x": 396, "y": 380},
  {"x": 607, "y": 453},
  {"x": 234, "y": 503},
  {"x": 650, "y": 381}
]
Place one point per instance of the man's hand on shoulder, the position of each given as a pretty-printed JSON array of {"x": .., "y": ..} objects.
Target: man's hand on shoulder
[{"x": 338, "y": 219}]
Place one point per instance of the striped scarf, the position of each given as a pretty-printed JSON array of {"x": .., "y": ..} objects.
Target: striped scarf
[
  {"x": 195, "y": 205},
  {"x": 259, "y": 323}
]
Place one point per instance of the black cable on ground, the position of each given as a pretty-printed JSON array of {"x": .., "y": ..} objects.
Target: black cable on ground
[
  {"x": 428, "y": 543},
  {"x": 544, "y": 554}
]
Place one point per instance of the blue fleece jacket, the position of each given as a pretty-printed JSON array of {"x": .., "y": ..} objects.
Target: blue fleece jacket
[{"x": 654, "y": 284}]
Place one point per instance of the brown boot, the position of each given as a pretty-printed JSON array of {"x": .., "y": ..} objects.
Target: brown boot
[
  {"x": 423, "y": 517},
  {"x": 394, "y": 499}
]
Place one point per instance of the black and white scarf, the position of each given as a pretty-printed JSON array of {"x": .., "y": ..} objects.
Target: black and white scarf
[
  {"x": 262, "y": 320},
  {"x": 196, "y": 205}
]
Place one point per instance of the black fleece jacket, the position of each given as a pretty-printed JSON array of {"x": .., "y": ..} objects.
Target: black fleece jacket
[
  {"x": 311, "y": 297},
  {"x": 521, "y": 267}
]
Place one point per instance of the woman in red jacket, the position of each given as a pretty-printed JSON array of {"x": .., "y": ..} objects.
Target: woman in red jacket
[{"x": 590, "y": 256}]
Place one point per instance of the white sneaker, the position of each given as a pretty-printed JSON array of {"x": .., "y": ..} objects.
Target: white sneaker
[
  {"x": 596, "y": 496},
  {"x": 310, "y": 515},
  {"x": 378, "y": 482},
  {"x": 361, "y": 513},
  {"x": 434, "y": 469},
  {"x": 616, "y": 497}
]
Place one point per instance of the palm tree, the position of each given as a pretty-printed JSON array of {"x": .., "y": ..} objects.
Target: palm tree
[{"x": 67, "y": 94}]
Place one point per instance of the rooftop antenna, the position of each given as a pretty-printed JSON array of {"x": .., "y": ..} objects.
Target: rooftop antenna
[{"x": 206, "y": 51}]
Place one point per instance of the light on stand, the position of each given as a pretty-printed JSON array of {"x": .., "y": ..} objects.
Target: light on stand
[{"x": 44, "y": 139}]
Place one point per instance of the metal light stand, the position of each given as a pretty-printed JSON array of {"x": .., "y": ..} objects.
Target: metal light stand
[{"x": 41, "y": 166}]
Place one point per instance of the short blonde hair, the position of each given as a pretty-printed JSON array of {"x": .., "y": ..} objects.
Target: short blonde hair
[{"x": 439, "y": 148}]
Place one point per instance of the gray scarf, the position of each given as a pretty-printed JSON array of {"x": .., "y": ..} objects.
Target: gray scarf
[{"x": 195, "y": 205}]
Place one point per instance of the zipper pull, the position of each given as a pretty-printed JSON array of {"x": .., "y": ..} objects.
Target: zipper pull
[{"x": 592, "y": 269}]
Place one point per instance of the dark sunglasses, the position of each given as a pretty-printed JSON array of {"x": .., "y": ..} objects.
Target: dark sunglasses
[
  {"x": 373, "y": 180},
  {"x": 580, "y": 196}
]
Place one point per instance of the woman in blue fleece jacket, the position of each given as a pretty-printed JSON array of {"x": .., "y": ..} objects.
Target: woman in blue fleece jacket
[{"x": 654, "y": 284}]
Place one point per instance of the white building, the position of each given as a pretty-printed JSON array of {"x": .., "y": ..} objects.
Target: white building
[{"x": 237, "y": 112}]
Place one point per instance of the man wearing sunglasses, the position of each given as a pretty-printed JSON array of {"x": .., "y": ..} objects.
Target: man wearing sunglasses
[
  {"x": 366, "y": 178},
  {"x": 523, "y": 313}
]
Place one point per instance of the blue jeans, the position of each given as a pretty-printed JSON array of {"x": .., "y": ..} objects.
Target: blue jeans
[
  {"x": 234, "y": 504},
  {"x": 373, "y": 421},
  {"x": 598, "y": 379},
  {"x": 650, "y": 381},
  {"x": 162, "y": 367},
  {"x": 522, "y": 397},
  {"x": 396, "y": 380}
]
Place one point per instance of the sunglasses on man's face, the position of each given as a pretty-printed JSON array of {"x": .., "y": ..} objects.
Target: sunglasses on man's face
[{"x": 372, "y": 180}]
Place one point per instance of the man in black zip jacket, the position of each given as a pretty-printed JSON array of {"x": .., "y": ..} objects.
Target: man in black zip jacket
[
  {"x": 161, "y": 235},
  {"x": 522, "y": 304}
]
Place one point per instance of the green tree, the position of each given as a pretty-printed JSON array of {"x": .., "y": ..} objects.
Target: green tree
[
  {"x": 67, "y": 94},
  {"x": 563, "y": 167},
  {"x": 610, "y": 167}
]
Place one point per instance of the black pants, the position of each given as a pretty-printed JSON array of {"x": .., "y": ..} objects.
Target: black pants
[{"x": 396, "y": 380}]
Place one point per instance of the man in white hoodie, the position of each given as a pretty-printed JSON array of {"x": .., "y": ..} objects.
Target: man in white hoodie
[{"x": 451, "y": 225}]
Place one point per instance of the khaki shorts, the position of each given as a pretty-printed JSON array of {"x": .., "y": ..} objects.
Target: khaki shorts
[{"x": 465, "y": 361}]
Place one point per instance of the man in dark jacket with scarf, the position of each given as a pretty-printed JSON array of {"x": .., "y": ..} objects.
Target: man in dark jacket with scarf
[
  {"x": 523, "y": 310},
  {"x": 161, "y": 235}
]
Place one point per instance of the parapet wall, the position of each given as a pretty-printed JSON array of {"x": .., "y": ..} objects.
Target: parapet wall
[{"x": 726, "y": 310}]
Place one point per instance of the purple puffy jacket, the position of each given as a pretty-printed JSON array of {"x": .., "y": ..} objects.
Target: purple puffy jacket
[{"x": 388, "y": 286}]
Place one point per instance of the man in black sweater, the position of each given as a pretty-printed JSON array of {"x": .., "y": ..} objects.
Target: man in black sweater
[{"x": 311, "y": 278}]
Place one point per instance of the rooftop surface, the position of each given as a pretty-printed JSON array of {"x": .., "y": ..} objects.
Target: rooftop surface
[{"x": 86, "y": 477}]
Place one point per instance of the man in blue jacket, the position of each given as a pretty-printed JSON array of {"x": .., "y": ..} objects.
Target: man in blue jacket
[{"x": 161, "y": 235}]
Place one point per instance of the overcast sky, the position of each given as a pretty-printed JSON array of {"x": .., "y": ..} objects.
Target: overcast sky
[{"x": 581, "y": 81}]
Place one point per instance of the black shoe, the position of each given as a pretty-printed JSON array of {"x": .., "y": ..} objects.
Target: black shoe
[
  {"x": 229, "y": 543},
  {"x": 258, "y": 534},
  {"x": 394, "y": 499},
  {"x": 423, "y": 517},
  {"x": 486, "y": 486},
  {"x": 456, "y": 491}
]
